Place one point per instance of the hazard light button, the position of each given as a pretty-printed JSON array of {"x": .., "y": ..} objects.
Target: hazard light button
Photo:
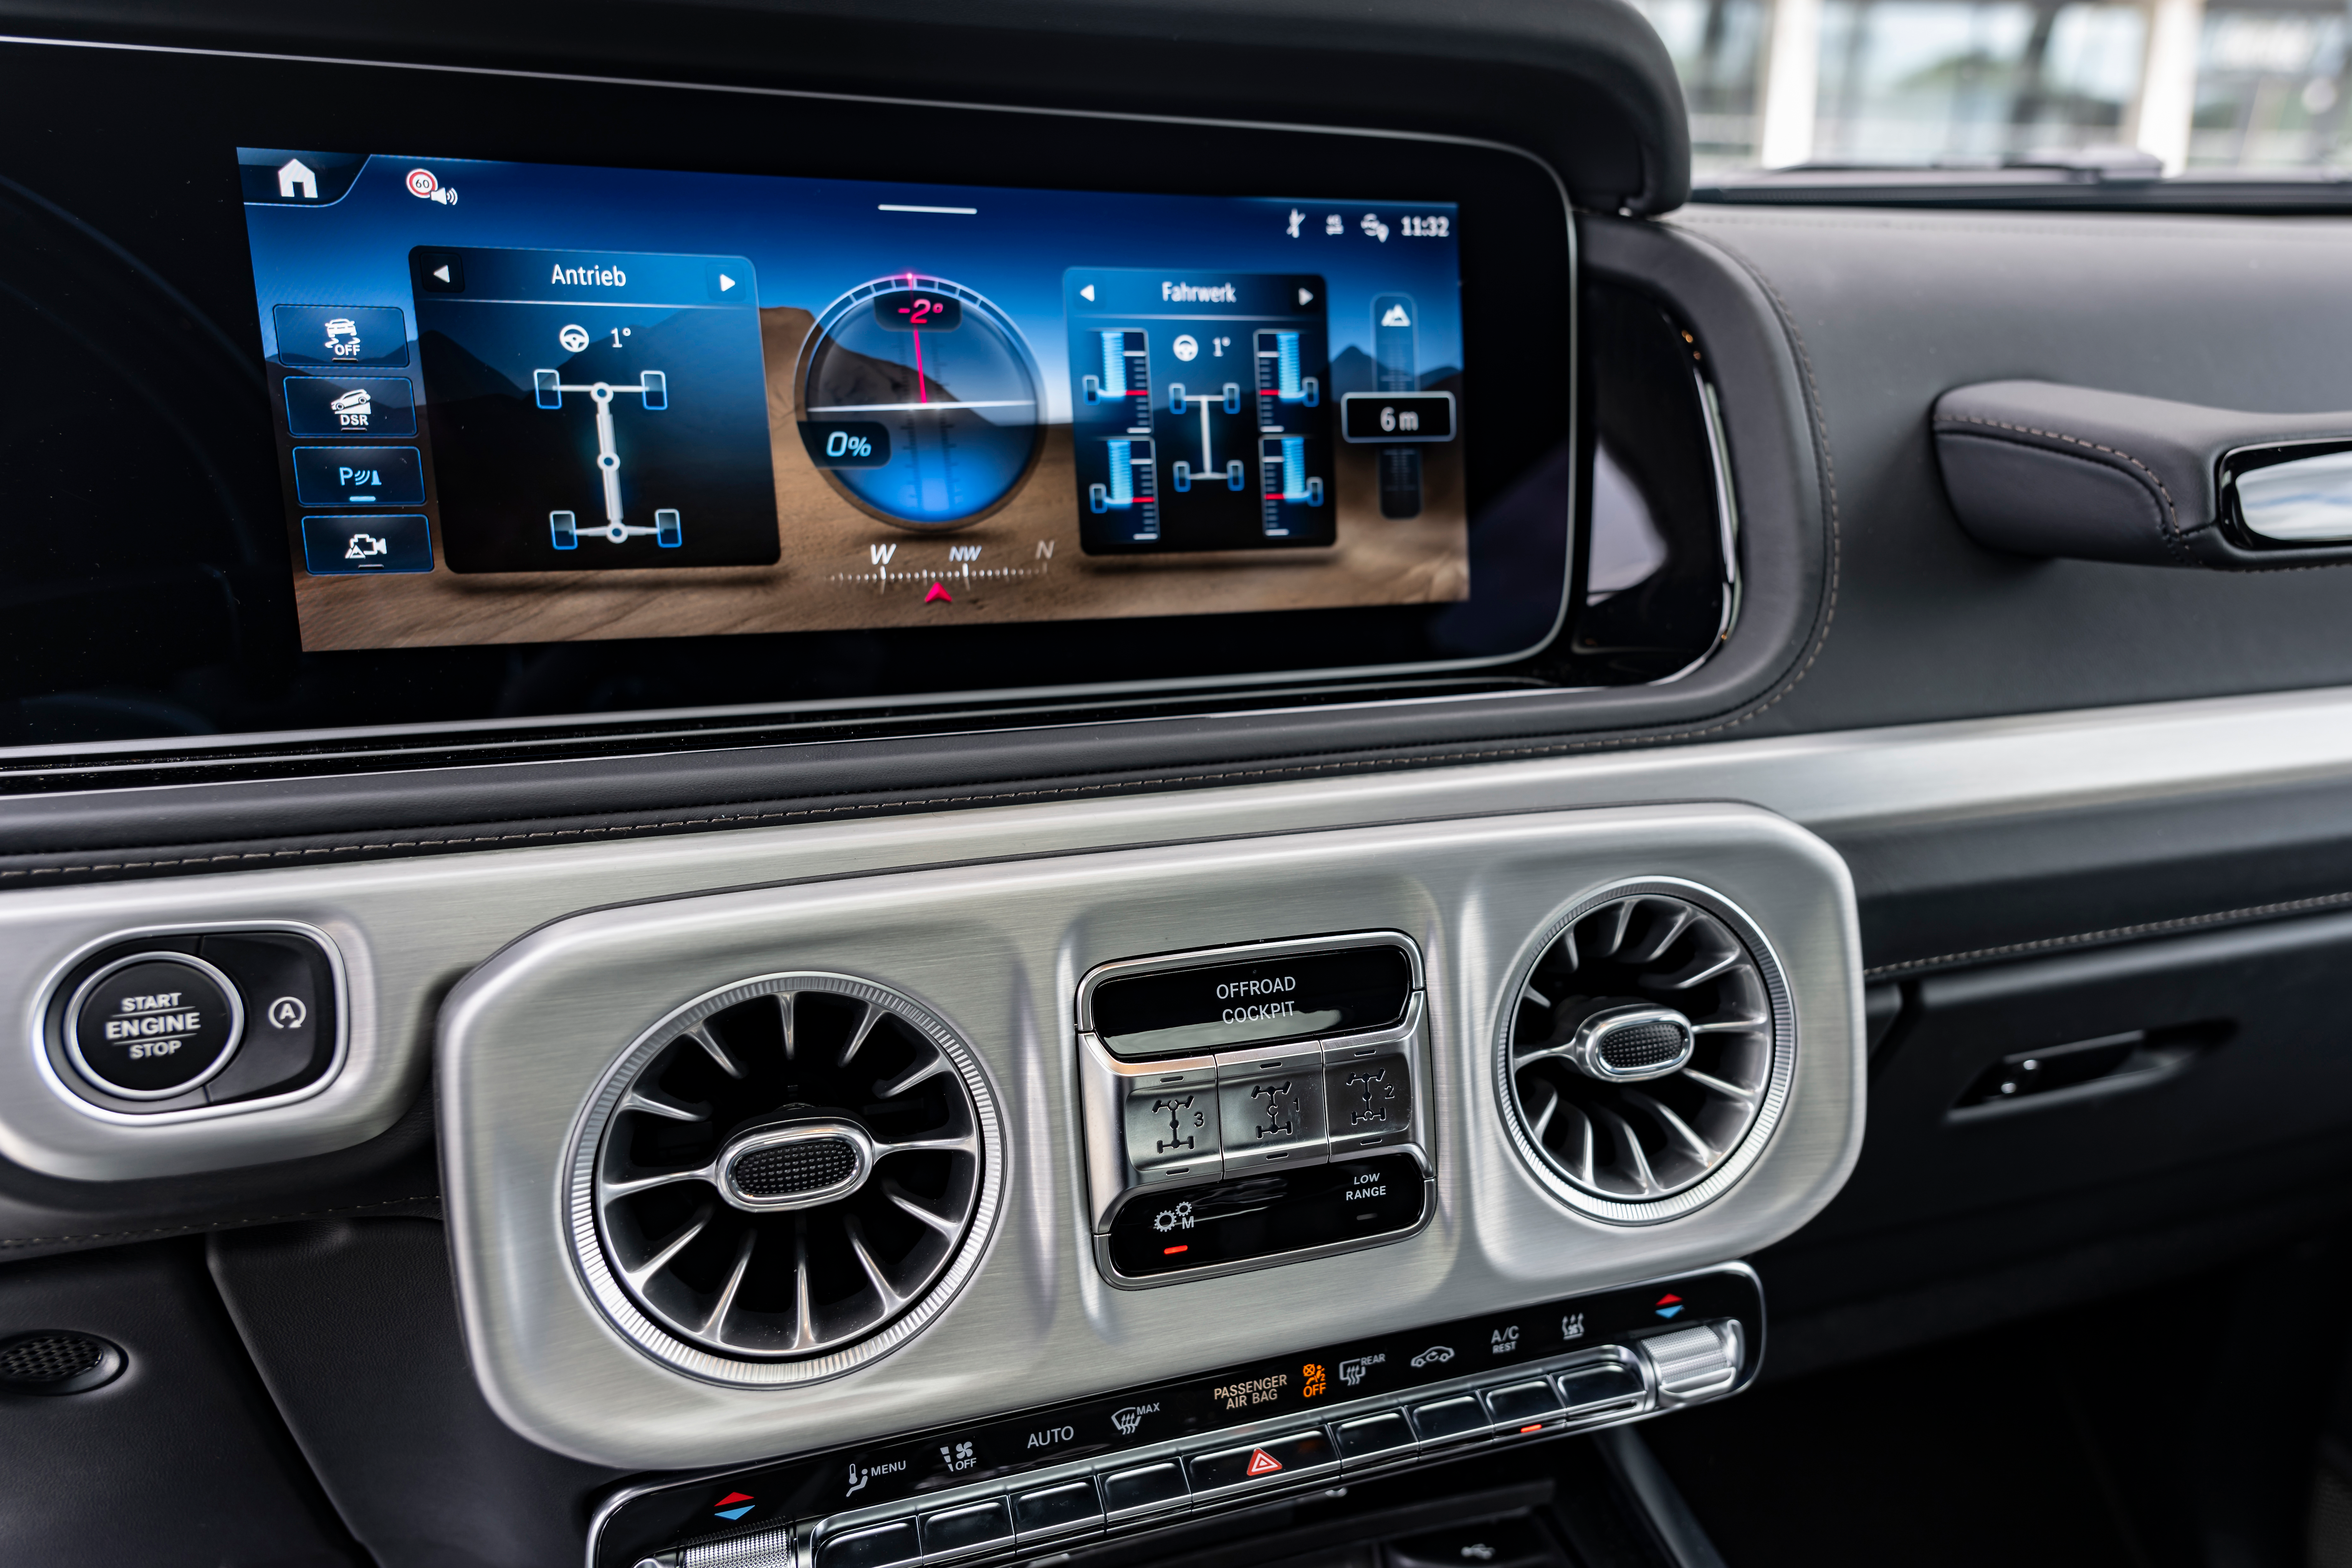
[{"x": 1289, "y": 1457}]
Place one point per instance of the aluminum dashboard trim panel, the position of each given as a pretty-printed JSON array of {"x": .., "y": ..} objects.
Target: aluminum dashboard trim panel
[
  {"x": 997, "y": 950},
  {"x": 408, "y": 930},
  {"x": 64, "y": 1134}
]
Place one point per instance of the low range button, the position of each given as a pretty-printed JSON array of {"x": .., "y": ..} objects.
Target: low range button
[{"x": 155, "y": 1026}]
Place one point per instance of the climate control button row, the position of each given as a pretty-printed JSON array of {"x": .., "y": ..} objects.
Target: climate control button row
[
  {"x": 1607, "y": 1384},
  {"x": 1122, "y": 1460}
]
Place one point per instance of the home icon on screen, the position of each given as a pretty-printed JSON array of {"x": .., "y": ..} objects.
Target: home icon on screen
[{"x": 295, "y": 178}]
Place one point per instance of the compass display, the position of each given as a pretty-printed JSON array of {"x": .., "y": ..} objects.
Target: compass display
[{"x": 950, "y": 382}]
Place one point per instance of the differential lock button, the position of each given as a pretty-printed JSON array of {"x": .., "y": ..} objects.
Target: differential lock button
[{"x": 154, "y": 1025}]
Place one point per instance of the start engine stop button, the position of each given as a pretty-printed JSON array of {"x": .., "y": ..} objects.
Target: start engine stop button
[{"x": 154, "y": 1025}]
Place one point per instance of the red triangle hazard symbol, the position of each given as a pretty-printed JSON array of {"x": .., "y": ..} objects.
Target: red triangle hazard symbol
[
  {"x": 1262, "y": 1463},
  {"x": 939, "y": 593}
]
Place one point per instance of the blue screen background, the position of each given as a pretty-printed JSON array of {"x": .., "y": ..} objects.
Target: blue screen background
[{"x": 812, "y": 239}]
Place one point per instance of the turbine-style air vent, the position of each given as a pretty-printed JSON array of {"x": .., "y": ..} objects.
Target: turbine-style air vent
[
  {"x": 789, "y": 1175},
  {"x": 1649, "y": 1050}
]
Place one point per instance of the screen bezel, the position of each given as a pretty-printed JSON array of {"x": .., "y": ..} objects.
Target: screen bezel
[{"x": 1518, "y": 285}]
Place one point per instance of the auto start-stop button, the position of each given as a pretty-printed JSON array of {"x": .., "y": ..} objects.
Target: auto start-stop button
[{"x": 154, "y": 1025}]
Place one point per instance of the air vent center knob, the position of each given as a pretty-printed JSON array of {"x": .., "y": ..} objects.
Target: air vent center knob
[
  {"x": 795, "y": 1164},
  {"x": 1624, "y": 1042}
]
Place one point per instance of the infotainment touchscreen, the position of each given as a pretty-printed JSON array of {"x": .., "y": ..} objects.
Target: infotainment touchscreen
[{"x": 532, "y": 403}]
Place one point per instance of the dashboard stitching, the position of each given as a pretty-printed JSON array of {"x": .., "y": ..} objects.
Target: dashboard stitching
[
  {"x": 228, "y": 859},
  {"x": 2173, "y": 536},
  {"x": 1829, "y": 484},
  {"x": 2086, "y": 225},
  {"x": 2146, "y": 928},
  {"x": 197, "y": 1225}
]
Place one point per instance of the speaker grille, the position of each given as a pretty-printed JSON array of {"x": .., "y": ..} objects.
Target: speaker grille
[{"x": 57, "y": 1362}]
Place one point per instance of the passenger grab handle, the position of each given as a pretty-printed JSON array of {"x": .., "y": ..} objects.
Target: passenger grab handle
[{"x": 2040, "y": 469}]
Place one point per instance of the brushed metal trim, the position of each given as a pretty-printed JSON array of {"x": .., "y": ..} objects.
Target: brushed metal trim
[
  {"x": 45, "y": 1057},
  {"x": 403, "y": 931},
  {"x": 69, "y": 1027},
  {"x": 526, "y": 1038}
]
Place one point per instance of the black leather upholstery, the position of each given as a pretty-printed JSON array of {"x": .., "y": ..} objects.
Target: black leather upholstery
[
  {"x": 354, "y": 1326},
  {"x": 180, "y": 1462},
  {"x": 1893, "y": 310},
  {"x": 2046, "y": 470}
]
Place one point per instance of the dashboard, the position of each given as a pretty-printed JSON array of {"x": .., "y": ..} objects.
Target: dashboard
[{"x": 787, "y": 788}]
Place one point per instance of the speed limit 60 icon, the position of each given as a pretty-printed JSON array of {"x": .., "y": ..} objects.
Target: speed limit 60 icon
[{"x": 421, "y": 183}]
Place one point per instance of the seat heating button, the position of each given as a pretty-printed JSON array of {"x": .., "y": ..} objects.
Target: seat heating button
[
  {"x": 876, "y": 1546},
  {"x": 155, "y": 1026},
  {"x": 1144, "y": 1489},
  {"x": 1518, "y": 1405},
  {"x": 1374, "y": 1437},
  {"x": 1275, "y": 1460},
  {"x": 1049, "y": 1510},
  {"x": 1451, "y": 1420},
  {"x": 1588, "y": 1389},
  {"x": 975, "y": 1527}
]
